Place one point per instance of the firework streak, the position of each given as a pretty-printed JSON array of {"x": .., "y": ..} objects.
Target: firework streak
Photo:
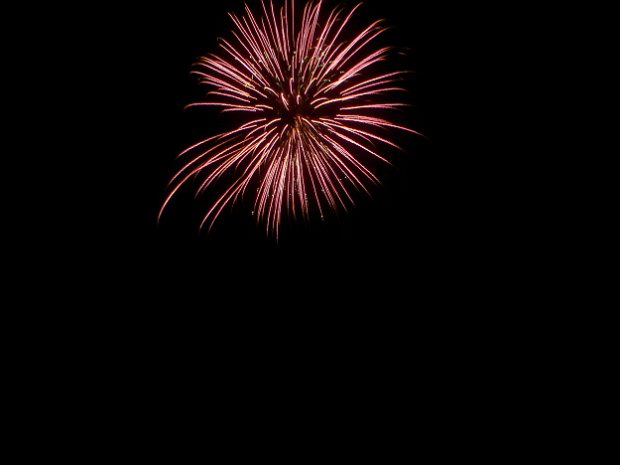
[{"x": 309, "y": 94}]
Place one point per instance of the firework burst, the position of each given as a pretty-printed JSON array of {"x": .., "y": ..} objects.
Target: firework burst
[{"x": 309, "y": 94}]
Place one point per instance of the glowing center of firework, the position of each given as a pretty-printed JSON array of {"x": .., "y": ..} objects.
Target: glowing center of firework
[
  {"x": 289, "y": 105},
  {"x": 291, "y": 109}
]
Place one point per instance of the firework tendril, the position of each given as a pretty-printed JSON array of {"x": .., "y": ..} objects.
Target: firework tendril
[{"x": 308, "y": 94}]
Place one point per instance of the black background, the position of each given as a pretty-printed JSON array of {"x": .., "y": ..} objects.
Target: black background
[
  {"x": 441, "y": 232},
  {"x": 434, "y": 221},
  {"x": 407, "y": 293}
]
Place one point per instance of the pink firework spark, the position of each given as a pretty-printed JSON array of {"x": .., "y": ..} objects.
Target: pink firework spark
[{"x": 309, "y": 94}]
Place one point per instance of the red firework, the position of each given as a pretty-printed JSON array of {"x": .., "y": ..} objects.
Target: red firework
[{"x": 309, "y": 94}]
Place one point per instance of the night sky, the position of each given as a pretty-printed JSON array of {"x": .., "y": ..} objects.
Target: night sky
[
  {"x": 430, "y": 225},
  {"x": 402, "y": 299}
]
